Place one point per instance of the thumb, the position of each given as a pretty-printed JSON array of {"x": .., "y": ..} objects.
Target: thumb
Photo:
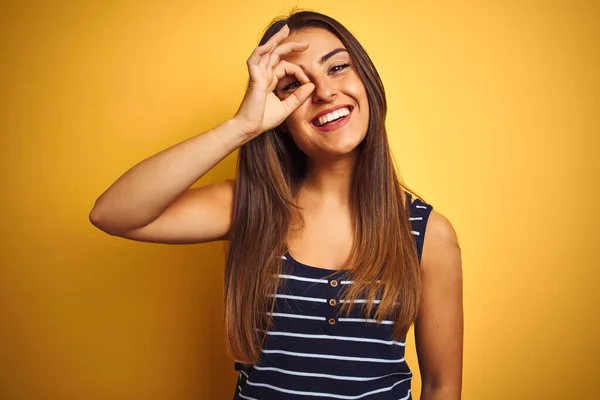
[{"x": 298, "y": 97}]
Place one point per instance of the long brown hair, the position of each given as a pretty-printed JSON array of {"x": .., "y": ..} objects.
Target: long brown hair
[{"x": 270, "y": 171}]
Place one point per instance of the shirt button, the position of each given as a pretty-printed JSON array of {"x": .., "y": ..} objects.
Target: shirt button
[
  {"x": 333, "y": 283},
  {"x": 331, "y": 321},
  {"x": 332, "y": 302}
]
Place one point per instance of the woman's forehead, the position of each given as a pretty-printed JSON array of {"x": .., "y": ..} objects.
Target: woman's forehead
[{"x": 320, "y": 41}]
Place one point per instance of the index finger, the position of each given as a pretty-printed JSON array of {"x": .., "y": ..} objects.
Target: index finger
[
  {"x": 270, "y": 45},
  {"x": 284, "y": 49},
  {"x": 279, "y": 36}
]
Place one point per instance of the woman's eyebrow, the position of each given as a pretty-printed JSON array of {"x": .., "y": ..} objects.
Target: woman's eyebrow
[
  {"x": 331, "y": 54},
  {"x": 326, "y": 56}
]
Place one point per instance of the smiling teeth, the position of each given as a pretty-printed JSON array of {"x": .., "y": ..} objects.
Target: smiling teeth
[{"x": 342, "y": 112}]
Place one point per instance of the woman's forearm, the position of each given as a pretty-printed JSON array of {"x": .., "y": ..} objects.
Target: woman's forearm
[{"x": 146, "y": 190}]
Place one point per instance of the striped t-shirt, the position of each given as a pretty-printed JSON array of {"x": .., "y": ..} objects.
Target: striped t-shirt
[{"x": 311, "y": 352}]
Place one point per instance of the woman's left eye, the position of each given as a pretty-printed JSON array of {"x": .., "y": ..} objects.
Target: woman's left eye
[{"x": 340, "y": 67}]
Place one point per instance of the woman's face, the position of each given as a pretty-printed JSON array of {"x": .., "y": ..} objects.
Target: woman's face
[{"x": 316, "y": 129}]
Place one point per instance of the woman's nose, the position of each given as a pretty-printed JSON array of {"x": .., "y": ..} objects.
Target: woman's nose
[{"x": 324, "y": 92}]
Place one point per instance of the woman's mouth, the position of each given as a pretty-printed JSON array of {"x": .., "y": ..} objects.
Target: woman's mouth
[{"x": 333, "y": 120}]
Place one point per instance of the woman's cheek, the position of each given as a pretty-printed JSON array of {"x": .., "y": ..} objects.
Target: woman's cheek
[
  {"x": 298, "y": 117},
  {"x": 355, "y": 87}
]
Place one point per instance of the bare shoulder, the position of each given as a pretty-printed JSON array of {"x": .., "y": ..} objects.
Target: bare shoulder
[
  {"x": 441, "y": 248},
  {"x": 440, "y": 229}
]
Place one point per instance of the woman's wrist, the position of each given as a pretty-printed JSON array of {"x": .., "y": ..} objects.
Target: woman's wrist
[{"x": 233, "y": 135}]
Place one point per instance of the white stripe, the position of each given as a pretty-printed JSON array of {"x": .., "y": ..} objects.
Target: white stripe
[
  {"x": 407, "y": 396},
  {"x": 384, "y": 322},
  {"x": 319, "y": 300},
  {"x": 349, "y": 282},
  {"x": 301, "y": 278},
  {"x": 415, "y": 233},
  {"x": 329, "y": 376},
  {"x": 276, "y": 314},
  {"x": 244, "y": 373},
  {"x": 331, "y": 337},
  {"x": 289, "y": 296},
  {"x": 283, "y": 257},
  {"x": 242, "y": 396},
  {"x": 336, "y": 396},
  {"x": 415, "y": 218},
  {"x": 421, "y": 207},
  {"x": 334, "y": 357},
  {"x": 360, "y": 301}
]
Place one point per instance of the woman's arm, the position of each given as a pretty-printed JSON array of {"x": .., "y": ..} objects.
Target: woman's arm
[
  {"x": 439, "y": 326},
  {"x": 152, "y": 201}
]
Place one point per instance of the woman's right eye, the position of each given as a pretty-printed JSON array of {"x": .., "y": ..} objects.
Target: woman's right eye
[{"x": 292, "y": 85}]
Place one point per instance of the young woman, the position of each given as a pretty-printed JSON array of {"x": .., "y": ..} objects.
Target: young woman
[{"x": 328, "y": 264}]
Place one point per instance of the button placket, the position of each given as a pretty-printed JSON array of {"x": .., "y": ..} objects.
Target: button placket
[{"x": 332, "y": 294}]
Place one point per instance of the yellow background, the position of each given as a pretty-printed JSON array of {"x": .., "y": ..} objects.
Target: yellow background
[{"x": 493, "y": 117}]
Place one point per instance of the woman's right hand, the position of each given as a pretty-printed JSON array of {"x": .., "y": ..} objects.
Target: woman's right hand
[{"x": 261, "y": 109}]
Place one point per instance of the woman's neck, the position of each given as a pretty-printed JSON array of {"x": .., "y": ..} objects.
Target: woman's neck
[{"x": 329, "y": 181}]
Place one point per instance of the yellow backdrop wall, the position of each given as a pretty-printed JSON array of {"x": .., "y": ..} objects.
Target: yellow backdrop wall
[{"x": 493, "y": 118}]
